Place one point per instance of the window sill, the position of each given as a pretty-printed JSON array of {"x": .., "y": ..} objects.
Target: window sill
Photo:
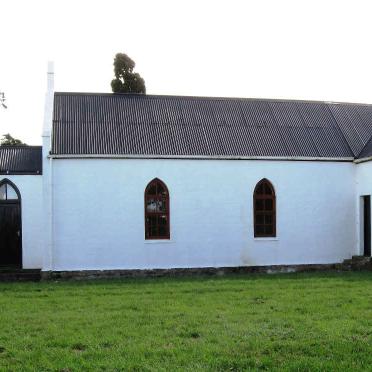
[
  {"x": 266, "y": 239},
  {"x": 158, "y": 241}
]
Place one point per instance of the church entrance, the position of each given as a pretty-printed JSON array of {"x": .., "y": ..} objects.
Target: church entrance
[
  {"x": 367, "y": 225},
  {"x": 10, "y": 225}
]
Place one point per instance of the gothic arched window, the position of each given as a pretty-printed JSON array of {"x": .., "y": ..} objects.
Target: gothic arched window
[
  {"x": 264, "y": 210},
  {"x": 156, "y": 210}
]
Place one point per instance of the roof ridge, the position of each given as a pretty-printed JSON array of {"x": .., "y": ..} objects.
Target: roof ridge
[
  {"x": 366, "y": 144},
  {"x": 222, "y": 98},
  {"x": 337, "y": 125}
]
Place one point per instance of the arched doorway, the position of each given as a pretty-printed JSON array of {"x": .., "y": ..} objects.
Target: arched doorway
[{"x": 10, "y": 225}]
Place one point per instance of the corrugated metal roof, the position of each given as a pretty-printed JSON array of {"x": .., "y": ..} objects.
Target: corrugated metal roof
[
  {"x": 20, "y": 160},
  {"x": 126, "y": 124},
  {"x": 366, "y": 151}
]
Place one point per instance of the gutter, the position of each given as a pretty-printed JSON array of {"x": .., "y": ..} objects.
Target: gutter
[{"x": 198, "y": 157}]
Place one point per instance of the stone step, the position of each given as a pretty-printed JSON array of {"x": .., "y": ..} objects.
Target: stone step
[
  {"x": 358, "y": 263},
  {"x": 361, "y": 259}
]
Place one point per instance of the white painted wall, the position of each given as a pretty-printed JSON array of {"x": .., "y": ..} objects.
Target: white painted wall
[
  {"x": 363, "y": 187},
  {"x": 98, "y": 213},
  {"x": 30, "y": 188}
]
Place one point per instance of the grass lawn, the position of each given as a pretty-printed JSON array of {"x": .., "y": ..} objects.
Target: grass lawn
[{"x": 293, "y": 322}]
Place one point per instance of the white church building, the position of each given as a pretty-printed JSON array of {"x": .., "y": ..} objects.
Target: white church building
[{"x": 136, "y": 182}]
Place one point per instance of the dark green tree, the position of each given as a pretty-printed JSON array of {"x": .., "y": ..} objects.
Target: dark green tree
[
  {"x": 8, "y": 140},
  {"x": 126, "y": 81}
]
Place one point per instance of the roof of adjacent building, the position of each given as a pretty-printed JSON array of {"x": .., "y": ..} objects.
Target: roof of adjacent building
[
  {"x": 20, "y": 160},
  {"x": 136, "y": 124}
]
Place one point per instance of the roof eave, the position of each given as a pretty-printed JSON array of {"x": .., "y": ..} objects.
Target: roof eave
[{"x": 198, "y": 157}]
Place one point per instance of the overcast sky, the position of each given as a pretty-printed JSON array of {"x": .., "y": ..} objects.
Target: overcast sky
[{"x": 319, "y": 50}]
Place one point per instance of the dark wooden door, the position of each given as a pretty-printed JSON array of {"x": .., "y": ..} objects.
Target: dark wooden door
[
  {"x": 10, "y": 235},
  {"x": 367, "y": 225}
]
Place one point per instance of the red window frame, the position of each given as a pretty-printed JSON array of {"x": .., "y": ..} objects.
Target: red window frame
[
  {"x": 264, "y": 205},
  {"x": 157, "y": 224}
]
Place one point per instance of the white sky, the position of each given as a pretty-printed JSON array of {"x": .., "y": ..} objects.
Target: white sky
[{"x": 297, "y": 49}]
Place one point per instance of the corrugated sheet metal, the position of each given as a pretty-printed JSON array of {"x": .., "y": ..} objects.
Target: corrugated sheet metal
[
  {"x": 121, "y": 124},
  {"x": 20, "y": 160},
  {"x": 366, "y": 151}
]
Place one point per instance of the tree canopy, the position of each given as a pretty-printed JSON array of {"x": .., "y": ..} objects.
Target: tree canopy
[
  {"x": 8, "y": 140},
  {"x": 126, "y": 81}
]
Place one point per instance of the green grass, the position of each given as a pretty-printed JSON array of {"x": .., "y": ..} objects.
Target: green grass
[{"x": 295, "y": 322}]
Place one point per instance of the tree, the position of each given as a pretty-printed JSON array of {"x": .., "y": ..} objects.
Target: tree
[
  {"x": 8, "y": 140},
  {"x": 126, "y": 81},
  {"x": 2, "y": 100}
]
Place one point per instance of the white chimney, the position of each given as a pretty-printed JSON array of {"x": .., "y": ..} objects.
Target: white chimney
[
  {"x": 47, "y": 173},
  {"x": 48, "y": 112},
  {"x": 50, "y": 76}
]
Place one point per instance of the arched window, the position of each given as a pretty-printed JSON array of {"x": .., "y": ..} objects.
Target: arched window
[
  {"x": 8, "y": 192},
  {"x": 264, "y": 210},
  {"x": 156, "y": 210}
]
